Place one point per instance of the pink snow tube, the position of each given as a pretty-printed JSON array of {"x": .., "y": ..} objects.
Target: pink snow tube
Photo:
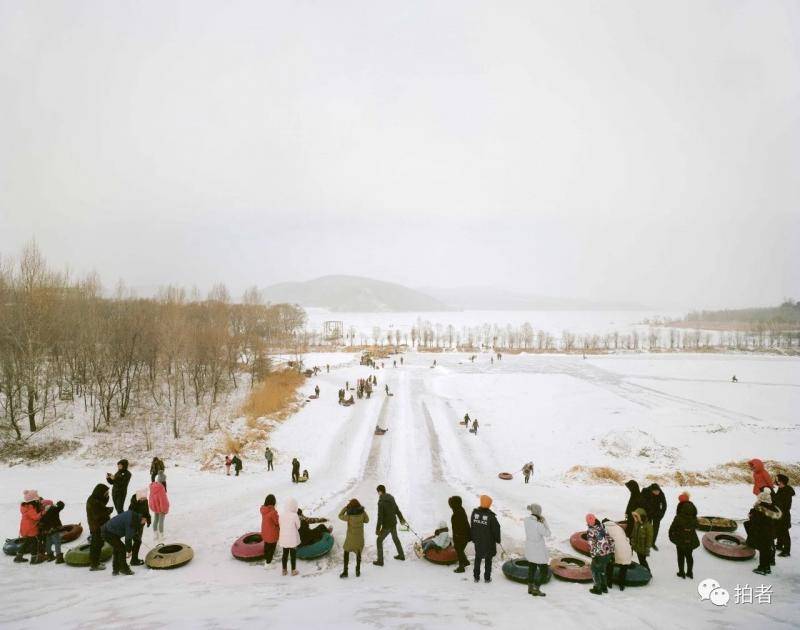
[
  {"x": 579, "y": 542},
  {"x": 248, "y": 547},
  {"x": 728, "y": 546},
  {"x": 505, "y": 476}
]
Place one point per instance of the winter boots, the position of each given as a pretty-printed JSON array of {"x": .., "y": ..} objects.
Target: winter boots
[
  {"x": 97, "y": 567},
  {"x": 20, "y": 558},
  {"x": 533, "y": 589},
  {"x": 59, "y": 558}
]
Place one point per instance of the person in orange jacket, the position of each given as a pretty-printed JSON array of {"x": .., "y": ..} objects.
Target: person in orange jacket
[
  {"x": 761, "y": 478},
  {"x": 31, "y": 513}
]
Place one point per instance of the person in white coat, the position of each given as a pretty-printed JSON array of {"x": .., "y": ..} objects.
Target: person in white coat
[
  {"x": 623, "y": 554},
  {"x": 536, "y": 531},
  {"x": 440, "y": 539},
  {"x": 289, "y": 537}
]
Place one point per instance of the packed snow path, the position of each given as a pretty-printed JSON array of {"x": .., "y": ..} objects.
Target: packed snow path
[{"x": 558, "y": 411}]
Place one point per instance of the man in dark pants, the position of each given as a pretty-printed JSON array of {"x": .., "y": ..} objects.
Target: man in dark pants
[
  {"x": 97, "y": 514},
  {"x": 388, "y": 515},
  {"x": 485, "y": 534},
  {"x": 140, "y": 506},
  {"x": 295, "y": 470},
  {"x": 119, "y": 484},
  {"x": 656, "y": 506},
  {"x": 268, "y": 455},
  {"x": 461, "y": 533},
  {"x": 127, "y": 525}
]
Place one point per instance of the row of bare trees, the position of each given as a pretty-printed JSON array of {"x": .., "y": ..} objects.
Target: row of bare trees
[{"x": 125, "y": 358}]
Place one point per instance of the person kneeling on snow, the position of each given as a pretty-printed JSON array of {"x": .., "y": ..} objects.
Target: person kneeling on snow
[
  {"x": 623, "y": 554},
  {"x": 304, "y": 476},
  {"x": 50, "y": 527},
  {"x": 127, "y": 525},
  {"x": 139, "y": 504},
  {"x": 536, "y": 530},
  {"x": 440, "y": 539}
]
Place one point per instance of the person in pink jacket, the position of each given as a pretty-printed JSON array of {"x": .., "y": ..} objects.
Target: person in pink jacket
[
  {"x": 270, "y": 527},
  {"x": 761, "y": 478},
  {"x": 159, "y": 505},
  {"x": 289, "y": 536}
]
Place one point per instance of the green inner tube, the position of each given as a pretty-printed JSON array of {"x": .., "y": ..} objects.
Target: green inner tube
[
  {"x": 517, "y": 571},
  {"x": 169, "y": 556},
  {"x": 79, "y": 556},
  {"x": 716, "y": 524},
  {"x": 316, "y": 550},
  {"x": 637, "y": 575}
]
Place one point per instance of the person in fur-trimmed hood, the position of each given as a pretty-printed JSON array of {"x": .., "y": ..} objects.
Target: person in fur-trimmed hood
[
  {"x": 356, "y": 517},
  {"x": 760, "y": 528}
]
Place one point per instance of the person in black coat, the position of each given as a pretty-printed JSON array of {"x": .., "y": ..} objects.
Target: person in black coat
[
  {"x": 783, "y": 501},
  {"x": 50, "y": 530},
  {"x": 119, "y": 484},
  {"x": 295, "y": 470},
  {"x": 142, "y": 508},
  {"x": 683, "y": 534},
  {"x": 237, "y": 464},
  {"x": 97, "y": 514},
  {"x": 485, "y": 534},
  {"x": 655, "y": 504},
  {"x": 634, "y": 503},
  {"x": 760, "y": 530},
  {"x": 460, "y": 531},
  {"x": 388, "y": 515}
]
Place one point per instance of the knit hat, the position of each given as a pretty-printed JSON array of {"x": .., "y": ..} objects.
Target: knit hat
[
  {"x": 486, "y": 501},
  {"x": 765, "y": 496},
  {"x": 683, "y": 497},
  {"x": 30, "y": 495},
  {"x": 161, "y": 478},
  {"x": 591, "y": 519},
  {"x": 535, "y": 509},
  {"x": 141, "y": 495}
]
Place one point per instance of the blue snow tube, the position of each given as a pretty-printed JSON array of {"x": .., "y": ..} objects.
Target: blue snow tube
[
  {"x": 517, "y": 571},
  {"x": 637, "y": 575},
  {"x": 12, "y": 546},
  {"x": 317, "y": 549}
]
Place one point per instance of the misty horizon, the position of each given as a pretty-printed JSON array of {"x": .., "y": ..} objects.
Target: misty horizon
[{"x": 616, "y": 155}]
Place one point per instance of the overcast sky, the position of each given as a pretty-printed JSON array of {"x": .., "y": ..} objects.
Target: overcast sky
[{"x": 646, "y": 151}]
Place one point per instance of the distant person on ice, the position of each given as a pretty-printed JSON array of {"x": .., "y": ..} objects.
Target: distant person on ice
[
  {"x": 295, "y": 470},
  {"x": 683, "y": 534},
  {"x": 119, "y": 485},
  {"x": 761, "y": 478},
  {"x": 388, "y": 515},
  {"x": 228, "y": 462},
  {"x": 466, "y": 419},
  {"x": 734, "y": 379},
  {"x": 485, "y": 534},
  {"x": 461, "y": 531},
  {"x": 783, "y": 501},
  {"x": 656, "y": 505},
  {"x": 97, "y": 514},
  {"x": 304, "y": 476},
  {"x": 527, "y": 471},
  {"x": 269, "y": 456},
  {"x": 536, "y": 531},
  {"x": 475, "y": 426}
]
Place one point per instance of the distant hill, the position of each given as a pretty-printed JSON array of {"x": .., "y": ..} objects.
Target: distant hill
[
  {"x": 353, "y": 293},
  {"x": 493, "y": 299}
]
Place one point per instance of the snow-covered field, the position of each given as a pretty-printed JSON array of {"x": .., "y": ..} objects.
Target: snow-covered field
[{"x": 637, "y": 413}]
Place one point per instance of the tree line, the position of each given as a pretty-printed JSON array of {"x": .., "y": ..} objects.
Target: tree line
[{"x": 124, "y": 358}]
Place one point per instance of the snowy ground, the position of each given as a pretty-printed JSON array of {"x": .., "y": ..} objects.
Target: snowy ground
[{"x": 557, "y": 410}]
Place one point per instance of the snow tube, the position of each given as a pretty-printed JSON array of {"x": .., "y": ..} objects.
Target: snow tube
[
  {"x": 716, "y": 524},
  {"x": 317, "y": 549},
  {"x": 637, "y": 575},
  {"x": 571, "y": 569},
  {"x": 169, "y": 556},
  {"x": 71, "y": 532},
  {"x": 79, "y": 556},
  {"x": 579, "y": 542},
  {"x": 248, "y": 547},
  {"x": 437, "y": 556},
  {"x": 505, "y": 476},
  {"x": 517, "y": 571},
  {"x": 11, "y": 546},
  {"x": 728, "y": 546}
]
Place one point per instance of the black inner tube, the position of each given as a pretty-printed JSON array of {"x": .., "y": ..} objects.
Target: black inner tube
[
  {"x": 252, "y": 539},
  {"x": 170, "y": 549}
]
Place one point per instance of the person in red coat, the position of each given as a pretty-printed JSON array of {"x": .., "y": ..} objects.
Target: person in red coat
[
  {"x": 159, "y": 505},
  {"x": 761, "y": 478},
  {"x": 270, "y": 527},
  {"x": 31, "y": 513}
]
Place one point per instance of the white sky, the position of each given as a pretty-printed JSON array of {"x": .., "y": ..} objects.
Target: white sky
[{"x": 638, "y": 150}]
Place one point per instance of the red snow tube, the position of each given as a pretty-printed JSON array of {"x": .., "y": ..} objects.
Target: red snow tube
[
  {"x": 506, "y": 476},
  {"x": 579, "y": 542},
  {"x": 571, "y": 569},
  {"x": 438, "y": 556},
  {"x": 248, "y": 547},
  {"x": 71, "y": 532},
  {"x": 727, "y": 546}
]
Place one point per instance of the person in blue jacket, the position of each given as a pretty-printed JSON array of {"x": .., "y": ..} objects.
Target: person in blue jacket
[{"x": 127, "y": 525}]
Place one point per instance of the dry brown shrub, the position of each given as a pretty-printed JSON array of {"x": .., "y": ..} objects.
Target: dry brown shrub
[
  {"x": 597, "y": 474},
  {"x": 274, "y": 396}
]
